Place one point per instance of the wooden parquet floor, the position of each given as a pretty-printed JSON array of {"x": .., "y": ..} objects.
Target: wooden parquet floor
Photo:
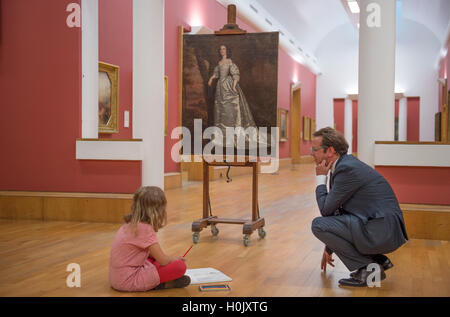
[{"x": 34, "y": 255}]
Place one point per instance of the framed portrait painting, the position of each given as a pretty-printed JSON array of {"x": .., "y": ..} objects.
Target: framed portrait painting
[
  {"x": 230, "y": 81},
  {"x": 283, "y": 124},
  {"x": 306, "y": 128},
  {"x": 108, "y": 98}
]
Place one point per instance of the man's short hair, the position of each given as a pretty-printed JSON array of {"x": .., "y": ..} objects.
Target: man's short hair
[{"x": 331, "y": 137}]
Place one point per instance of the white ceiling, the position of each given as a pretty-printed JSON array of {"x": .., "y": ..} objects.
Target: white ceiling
[
  {"x": 309, "y": 21},
  {"x": 433, "y": 14}
]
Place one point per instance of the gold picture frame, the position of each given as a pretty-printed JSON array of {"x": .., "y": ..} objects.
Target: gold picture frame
[
  {"x": 306, "y": 128},
  {"x": 108, "y": 98},
  {"x": 283, "y": 124},
  {"x": 313, "y": 128}
]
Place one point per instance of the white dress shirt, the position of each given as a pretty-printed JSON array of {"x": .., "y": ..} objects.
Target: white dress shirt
[{"x": 323, "y": 179}]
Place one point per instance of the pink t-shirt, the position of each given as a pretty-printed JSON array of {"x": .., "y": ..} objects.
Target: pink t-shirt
[{"x": 129, "y": 269}]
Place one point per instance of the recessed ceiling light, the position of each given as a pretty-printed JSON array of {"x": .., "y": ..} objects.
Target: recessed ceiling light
[
  {"x": 254, "y": 9},
  {"x": 353, "y": 5}
]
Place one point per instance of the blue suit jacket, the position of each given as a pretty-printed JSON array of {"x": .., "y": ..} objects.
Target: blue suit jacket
[{"x": 357, "y": 189}]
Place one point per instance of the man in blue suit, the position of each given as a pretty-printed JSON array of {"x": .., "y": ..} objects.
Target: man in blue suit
[{"x": 361, "y": 218}]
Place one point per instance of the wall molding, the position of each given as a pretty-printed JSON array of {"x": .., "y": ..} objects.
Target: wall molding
[
  {"x": 109, "y": 149},
  {"x": 173, "y": 180},
  {"x": 427, "y": 221},
  {"x": 412, "y": 154},
  {"x": 422, "y": 221},
  {"x": 53, "y": 206}
]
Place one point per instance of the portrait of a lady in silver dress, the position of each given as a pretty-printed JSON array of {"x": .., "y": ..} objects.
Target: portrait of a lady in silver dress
[
  {"x": 231, "y": 82},
  {"x": 230, "y": 105}
]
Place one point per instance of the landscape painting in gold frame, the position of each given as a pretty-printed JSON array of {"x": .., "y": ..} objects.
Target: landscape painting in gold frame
[{"x": 108, "y": 98}]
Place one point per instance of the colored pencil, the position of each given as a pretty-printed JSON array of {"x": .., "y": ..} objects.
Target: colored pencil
[{"x": 188, "y": 251}]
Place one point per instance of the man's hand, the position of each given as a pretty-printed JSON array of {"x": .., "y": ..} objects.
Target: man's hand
[
  {"x": 323, "y": 168},
  {"x": 326, "y": 258}
]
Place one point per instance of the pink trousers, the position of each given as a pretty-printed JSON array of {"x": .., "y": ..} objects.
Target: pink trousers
[{"x": 169, "y": 272}]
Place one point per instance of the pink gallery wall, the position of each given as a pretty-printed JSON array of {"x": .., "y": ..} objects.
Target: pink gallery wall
[
  {"x": 413, "y": 120},
  {"x": 289, "y": 70},
  {"x": 339, "y": 114},
  {"x": 339, "y": 120},
  {"x": 40, "y": 99},
  {"x": 211, "y": 14},
  {"x": 418, "y": 185}
]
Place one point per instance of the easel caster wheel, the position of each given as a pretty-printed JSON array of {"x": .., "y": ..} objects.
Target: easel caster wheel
[
  {"x": 214, "y": 230},
  {"x": 262, "y": 233},
  {"x": 195, "y": 237},
  {"x": 246, "y": 240}
]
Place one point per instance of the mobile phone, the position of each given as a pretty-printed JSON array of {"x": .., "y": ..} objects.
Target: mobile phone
[{"x": 212, "y": 288}]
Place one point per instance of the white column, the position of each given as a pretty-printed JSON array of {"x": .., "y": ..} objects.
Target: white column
[
  {"x": 376, "y": 80},
  {"x": 402, "y": 119},
  {"x": 89, "y": 69},
  {"x": 348, "y": 123},
  {"x": 148, "y": 87}
]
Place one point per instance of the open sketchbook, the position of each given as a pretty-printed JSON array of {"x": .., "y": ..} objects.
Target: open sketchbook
[{"x": 207, "y": 275}]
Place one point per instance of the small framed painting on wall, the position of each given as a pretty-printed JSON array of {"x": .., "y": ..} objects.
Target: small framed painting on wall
[{"x": 108, "y": 98}]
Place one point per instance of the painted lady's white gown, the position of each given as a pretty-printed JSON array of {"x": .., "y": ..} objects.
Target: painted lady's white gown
[{"x": 231, "y": 108}]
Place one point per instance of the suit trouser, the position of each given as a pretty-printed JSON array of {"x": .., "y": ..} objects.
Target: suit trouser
[{"x": 335, "y": 232}]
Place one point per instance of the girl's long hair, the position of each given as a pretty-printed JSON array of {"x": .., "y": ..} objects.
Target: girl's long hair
[{"x": 149, "y": 206}]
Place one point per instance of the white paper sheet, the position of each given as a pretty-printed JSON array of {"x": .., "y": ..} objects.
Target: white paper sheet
[{"x": 207, "y": 275}]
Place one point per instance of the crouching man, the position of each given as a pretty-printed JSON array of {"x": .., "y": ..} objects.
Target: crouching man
[{"x": 361, "y": 218}]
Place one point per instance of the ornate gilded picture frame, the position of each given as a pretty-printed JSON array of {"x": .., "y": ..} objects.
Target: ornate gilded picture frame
[
  {"x": 108, "y": 98},
  {"x": 283, "y": 124}
]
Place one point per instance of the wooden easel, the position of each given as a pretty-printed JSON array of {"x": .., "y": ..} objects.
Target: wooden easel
[{"x": 256, "y": 223}]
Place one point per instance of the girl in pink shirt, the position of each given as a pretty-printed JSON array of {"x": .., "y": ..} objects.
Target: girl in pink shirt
[{"x": 137, "y": 262}]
